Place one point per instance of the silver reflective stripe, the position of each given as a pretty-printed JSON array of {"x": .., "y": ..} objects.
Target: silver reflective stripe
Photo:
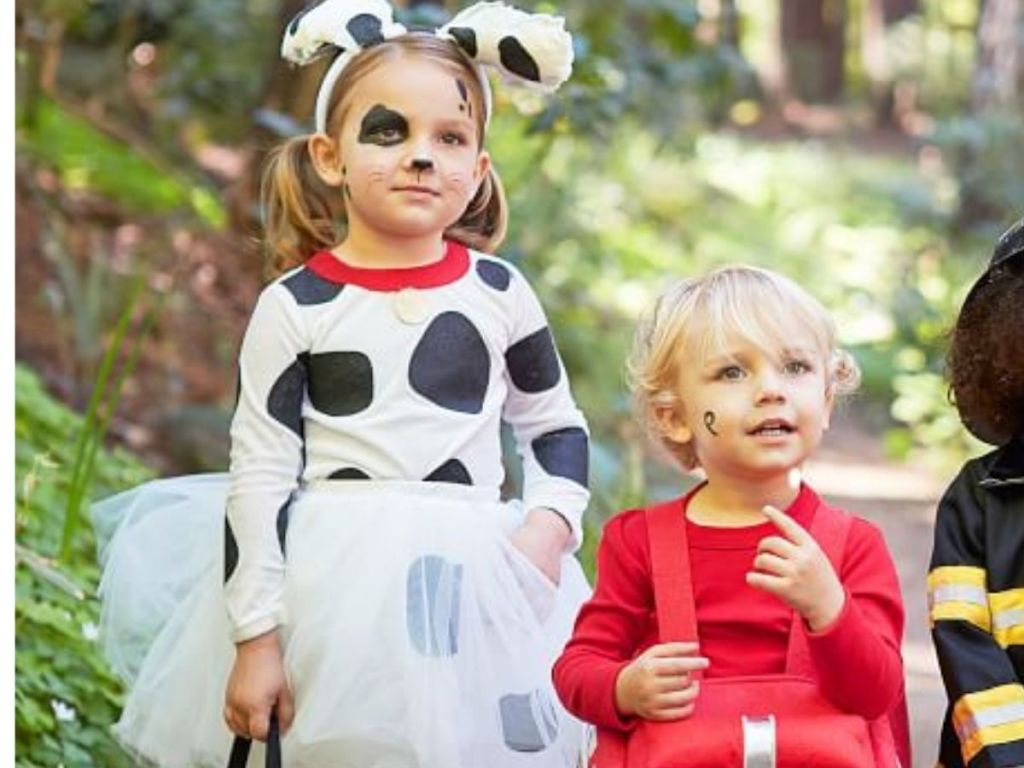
[
  {"x": 949, "y": 593},
  {"x": 1007, "y": 619},
  {"x": 993, "y": 716},
  {"x": 759, "y": 742}
]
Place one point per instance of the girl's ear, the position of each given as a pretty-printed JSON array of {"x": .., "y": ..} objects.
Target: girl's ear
[
  {"x": 326, "y": 156},
  {"x": 483, "y": 165},
  {"x": 671, "y": 422}
]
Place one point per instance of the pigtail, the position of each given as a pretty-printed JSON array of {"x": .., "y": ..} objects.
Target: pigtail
[
  {"x": 300, "y": 212},
  {"x": 484, "y": 224}
]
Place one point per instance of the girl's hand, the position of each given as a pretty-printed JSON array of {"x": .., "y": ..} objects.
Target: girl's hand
[
  {"x": 657, "y": 684},
  {"x": 256, "y": 687},
  {"x": 794, "y": 568},
  {"x": 542, "y": 538}
]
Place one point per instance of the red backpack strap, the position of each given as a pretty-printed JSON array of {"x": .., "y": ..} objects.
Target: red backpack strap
[
  {"x": 670, "y": 572},
  {"x": 830, "y": 528}
]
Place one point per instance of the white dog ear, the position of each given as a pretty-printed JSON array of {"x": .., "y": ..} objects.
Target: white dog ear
[
  {"x": 529, "y": 49},
  {"x": 338, "y": 25}
]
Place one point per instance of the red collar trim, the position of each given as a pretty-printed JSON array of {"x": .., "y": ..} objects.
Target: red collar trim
[
  {"x": 453, "y": 265},
  {"x": 801, "y": 509}
]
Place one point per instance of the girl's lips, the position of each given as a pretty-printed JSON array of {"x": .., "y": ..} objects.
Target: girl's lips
[
  {"x": 418, "y": 190},
  {"x": 773, "y": 427}
]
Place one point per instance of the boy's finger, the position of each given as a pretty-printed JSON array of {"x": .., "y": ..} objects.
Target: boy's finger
[
  {"x": 790, "y": 528},
  {"x": 680, "y": 665},
  {"x": 285, "y": 709},
  {"x": 767, "y": 582},
  {"x": 675, "y": 713},
  {"x": 259, "y": 725},
  {"x": 663, "y": 650},
  {"x": 766, "y": 562}
]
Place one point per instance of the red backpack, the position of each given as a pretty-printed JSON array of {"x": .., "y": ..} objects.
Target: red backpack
[{"x": 756, "y": 721}]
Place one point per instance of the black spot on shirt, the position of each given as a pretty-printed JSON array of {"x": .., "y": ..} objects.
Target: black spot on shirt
[
  {"x": 533, "y": 362},
  {"x": 515, "y": 58},
  {"x": 564, "y": 453},
  {"x": 452, "y": 471},
  {"x": 340, "y": 383},
  {"x": 230, "y": 550},
  {"x": 284, "y": 402},
  {"x": 450, "y": 365},
  {"x": 348, "y": 473},
  {"x": 494, "y": 274},
  {"x": 309, "y": 288},
  {"x": 282, "y": 523}
]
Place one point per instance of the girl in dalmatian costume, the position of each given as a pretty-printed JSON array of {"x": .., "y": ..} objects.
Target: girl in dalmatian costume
[{"x": 367, "y": 588}]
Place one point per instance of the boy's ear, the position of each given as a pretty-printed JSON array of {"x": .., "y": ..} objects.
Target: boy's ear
[
  {"x": 326, "y": 156},
  {"x": 830, "y": 401},
  {"x": 483, "y": 165},
  {"x": 672, "y": 423}
]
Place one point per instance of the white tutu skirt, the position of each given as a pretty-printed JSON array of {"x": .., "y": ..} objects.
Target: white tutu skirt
[{"x": 416, "y": 634}]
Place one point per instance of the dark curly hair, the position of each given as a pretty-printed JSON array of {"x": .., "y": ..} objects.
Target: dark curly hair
[{"x": 986, "y": 355}]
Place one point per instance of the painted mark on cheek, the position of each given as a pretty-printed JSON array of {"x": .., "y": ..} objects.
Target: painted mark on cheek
[
  {"x": 466, "y": 106},
  {"x": 709, "y": 422},
  {"x": 383, "y": 126}
]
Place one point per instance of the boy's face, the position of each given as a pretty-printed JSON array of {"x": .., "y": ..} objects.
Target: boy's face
[
  {"x": 408, "y": 160},
  {"x": 752, "y": 414}
]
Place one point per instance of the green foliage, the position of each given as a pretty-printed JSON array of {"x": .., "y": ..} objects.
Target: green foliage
[
  {"x": 65, "y": 696},
  {"x": 87, "y": 159}
]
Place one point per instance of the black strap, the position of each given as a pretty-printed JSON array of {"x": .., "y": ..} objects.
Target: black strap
[{"x": 240, "y": 749}]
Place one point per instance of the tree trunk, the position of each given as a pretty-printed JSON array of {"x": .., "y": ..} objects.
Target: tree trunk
[
  {"x": 813, "y": 48},
  {"x": 999, "y": 74}
]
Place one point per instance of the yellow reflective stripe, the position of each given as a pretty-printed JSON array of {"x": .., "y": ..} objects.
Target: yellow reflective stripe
[
  {"x": 986, "y": 718},
  {"x": 957, "y": 593},
  {"x": 964, "y": 575},
  {"x": 1007, "y": 610}
]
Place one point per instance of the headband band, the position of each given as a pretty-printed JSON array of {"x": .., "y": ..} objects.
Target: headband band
[{"x": 528, "y": 50}]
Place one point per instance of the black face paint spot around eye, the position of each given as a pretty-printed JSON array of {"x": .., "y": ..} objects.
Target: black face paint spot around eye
[
  {"x": 709, "y": 422},
  {"x": 383, "y": 126}
]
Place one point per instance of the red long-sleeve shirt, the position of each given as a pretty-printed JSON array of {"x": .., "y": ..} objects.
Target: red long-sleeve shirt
[{"x": 743, "y": 630}]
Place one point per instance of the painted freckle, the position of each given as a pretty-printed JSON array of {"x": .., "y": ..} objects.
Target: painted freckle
[{"x": 709, "y": 422}]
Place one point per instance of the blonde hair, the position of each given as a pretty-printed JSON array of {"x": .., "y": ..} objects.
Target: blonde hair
[
  {"x": 301, "y": 214},
  {"x": 695, "y": 317}
]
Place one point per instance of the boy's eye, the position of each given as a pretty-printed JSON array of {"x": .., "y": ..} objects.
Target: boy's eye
[
  {"x": 730, "y": 373},
  {"x": 796, "y": 367}
]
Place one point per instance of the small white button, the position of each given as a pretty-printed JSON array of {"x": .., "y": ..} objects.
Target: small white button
[{"x": 411, "y": 306}]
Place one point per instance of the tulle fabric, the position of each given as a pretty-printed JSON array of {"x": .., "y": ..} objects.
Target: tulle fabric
[{"x": 416, "y": 634}]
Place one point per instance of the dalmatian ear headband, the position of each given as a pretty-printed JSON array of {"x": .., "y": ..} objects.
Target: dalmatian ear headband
[{"x": 531, "y": 50}]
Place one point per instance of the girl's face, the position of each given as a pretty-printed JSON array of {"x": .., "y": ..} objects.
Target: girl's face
[
  {"x": 407, "y": 158},
  {"x": 753, "y": 414}
]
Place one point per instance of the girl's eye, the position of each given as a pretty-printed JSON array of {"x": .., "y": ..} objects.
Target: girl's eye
[
  {"x": 796, "y": 367},
  {"x": 730, "y": 373},
  {"x": 388, "y": 135},
  {"x": 453, "y": 139}
]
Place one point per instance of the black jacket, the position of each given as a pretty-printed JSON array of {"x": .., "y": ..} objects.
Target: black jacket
[{"x": 976, "y": 607}]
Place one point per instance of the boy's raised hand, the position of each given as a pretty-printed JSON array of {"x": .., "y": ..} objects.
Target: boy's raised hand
[
  {"x": 658, "y": 685},
  {"x": 795, "y": 569}
]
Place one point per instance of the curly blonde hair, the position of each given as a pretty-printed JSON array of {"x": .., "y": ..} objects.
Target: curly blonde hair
[{"x": 694, "y": 317}]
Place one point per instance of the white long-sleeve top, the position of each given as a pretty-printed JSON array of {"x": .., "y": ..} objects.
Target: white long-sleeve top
[{"x": 403, "y": 374}]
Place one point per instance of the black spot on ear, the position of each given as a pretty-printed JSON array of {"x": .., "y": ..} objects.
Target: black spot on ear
[
  {"x": 310, "y": 288},
  {"x": 284, "y": 402},
  {"x": 348, "y": 473},
  {"x": 293, "y": 26},
  {"x": 452, "y": 471},
  {"x": 466, "y": 38},
  {"x": 564, "y": 453},
  {"x": 532, "y": 362},
  {"x": 282, "y": 523},
  {"x": 494, "y": 274},
  {"x": 340, "y": 383},
  {"x": 517, "y": 59},
  {"x": 451, "y": 366},
  {"x": 230, "y": 550},
  {"x": 365, "y": 29}
]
